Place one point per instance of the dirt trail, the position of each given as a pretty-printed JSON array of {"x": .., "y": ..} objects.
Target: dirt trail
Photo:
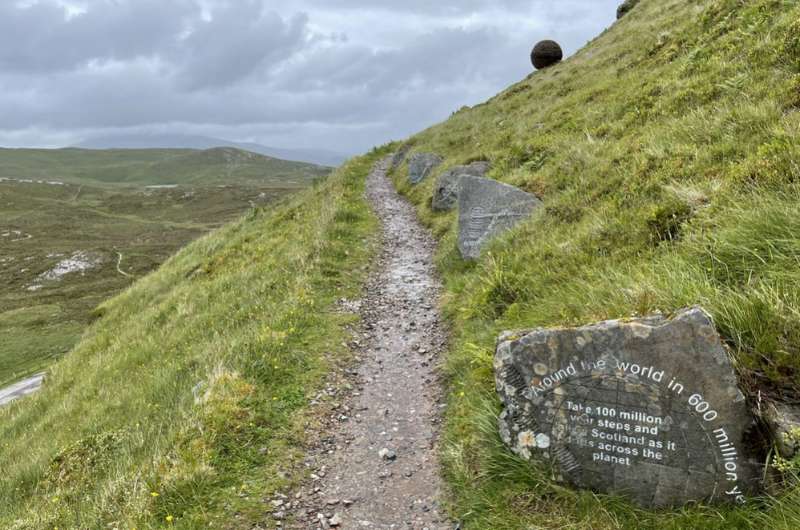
[{"x": 379, "y": 469}]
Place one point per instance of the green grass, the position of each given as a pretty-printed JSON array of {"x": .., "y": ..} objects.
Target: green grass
[
  {"x": 32, "y": 337},
  {"x": 667, "y": 156},
  {"x": 185, "y": 404}
]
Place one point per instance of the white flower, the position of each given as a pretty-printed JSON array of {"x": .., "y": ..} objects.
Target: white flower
[{"x": 526, "y": 439}]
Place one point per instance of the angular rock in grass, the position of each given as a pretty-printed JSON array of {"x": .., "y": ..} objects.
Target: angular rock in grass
[
  {"x": 546, "y": 53},
  {"x": 625, "y": 7},
  {"x": 445, "y": 195},
  {"x": 647, "y": 408},
  {"x": 488, "y": 208},
  {"x": 399, "y": 156},
  {"x": 420, "y": 165},
  {"x": 784, "y": 422}
]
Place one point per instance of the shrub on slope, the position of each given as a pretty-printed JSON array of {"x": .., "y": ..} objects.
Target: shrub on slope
[{"x": 666, "y": 153}]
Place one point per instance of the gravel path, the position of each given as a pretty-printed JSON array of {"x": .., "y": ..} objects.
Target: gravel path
[{"x": 378, "y": 467}]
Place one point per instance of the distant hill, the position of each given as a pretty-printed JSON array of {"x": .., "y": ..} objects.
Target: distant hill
[
  {"x": 179, "y": 141},
  {"x": 114, "y": 167}
]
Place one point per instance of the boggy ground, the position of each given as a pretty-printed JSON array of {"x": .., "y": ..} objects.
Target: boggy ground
[{"x": 379, "y": 467}]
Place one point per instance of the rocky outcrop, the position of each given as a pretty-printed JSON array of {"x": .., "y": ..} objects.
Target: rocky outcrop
[
  {"x": 487, "y": 208},
  {"x": 445, "y": 195},
  {"x": 399, "y": 156},
  {"x": 784, "y": 422},
  {"x": 420, "y": 165}
]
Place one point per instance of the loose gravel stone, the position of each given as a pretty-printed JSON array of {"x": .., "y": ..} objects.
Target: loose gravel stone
[{"x": 387, "y": 454}]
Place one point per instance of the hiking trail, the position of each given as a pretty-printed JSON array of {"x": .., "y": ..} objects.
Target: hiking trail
[{"x": 379, "y": 469}]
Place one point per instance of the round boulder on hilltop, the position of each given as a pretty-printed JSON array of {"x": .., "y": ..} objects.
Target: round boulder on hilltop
[
  {"x": 546, "y": 53},
  {"x": 625, "y": 7}
]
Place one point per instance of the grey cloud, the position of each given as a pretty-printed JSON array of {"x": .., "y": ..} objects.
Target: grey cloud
[
  {"x": 448, "y": 56},
  {"x": 240, "y": 37},
  {"x": 345, "y": 74},
  {"x": 41, "y": 37},
  {"x": 236, "y": 41},
  {"x": 424, "y": 6}
]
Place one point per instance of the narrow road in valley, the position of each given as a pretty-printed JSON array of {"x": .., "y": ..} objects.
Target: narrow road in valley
[
  {"x": 119, "y": 265},
  {"x": 380, "y": 468},
  {"x": 20, "y": 389}
]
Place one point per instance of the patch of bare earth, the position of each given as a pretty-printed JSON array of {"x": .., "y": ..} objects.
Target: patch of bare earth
[{"x": 376, "y": 466}]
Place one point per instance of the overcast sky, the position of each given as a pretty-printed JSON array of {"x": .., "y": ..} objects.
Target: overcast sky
[{"x": 343, "y": 75}]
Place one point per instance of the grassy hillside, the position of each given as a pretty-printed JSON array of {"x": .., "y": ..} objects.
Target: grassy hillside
[
  {"x": 142, "y": 167},
  {"x": 120, "y": 208},
  {"x": 184, "y": 404},
  {"x": 666, "y": 153},
  {"x": 127, "y": 231},
  {"x": 667, "y": 156}
]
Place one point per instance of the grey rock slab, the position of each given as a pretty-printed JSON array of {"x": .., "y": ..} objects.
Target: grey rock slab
[
  {"x": 649, "y": 408},
  {"x": 420, "y": 165},
  {"x": 399, "y": 156},
  {"x": 784, "y": 422},
  {"x": 487, "y": 208},
  {"x": 445, "y": 195}
]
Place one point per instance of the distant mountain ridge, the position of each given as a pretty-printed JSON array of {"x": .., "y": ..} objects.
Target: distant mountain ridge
[
  {"x": 137, "y": 167},
  {"x": 182, "y": 141}
]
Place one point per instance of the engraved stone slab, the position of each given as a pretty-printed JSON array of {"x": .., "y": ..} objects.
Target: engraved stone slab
[
  {"x": 420, "y": 165},
  {"x": 445, "y": 195},
  {"x": 647, "y": 408},
  {"x": 488, "y": 208}
]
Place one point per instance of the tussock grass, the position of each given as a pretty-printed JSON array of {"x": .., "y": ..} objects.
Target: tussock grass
[
  {"x": 184, "y": 405},
  {"x": 666, "y": 155}
]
